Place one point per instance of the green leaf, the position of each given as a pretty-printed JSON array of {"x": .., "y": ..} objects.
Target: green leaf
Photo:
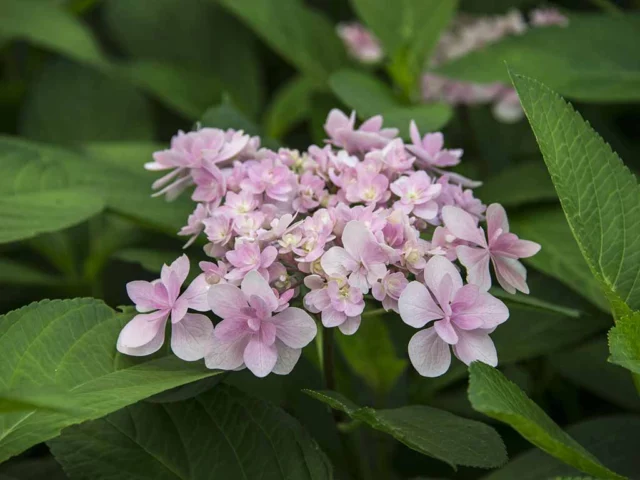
[
  {"x": 70, "y": 345},
  {"x": 369, "y": 96},
  {"x": 614, "y": 439},
  {"x": 560, "y": 256},
  {"x": 592, "y": 59},
  {"x": 291, "y": 105},
  {"x": 18, "y": 273},
  {"x": 432, "y": 432},
  {"x": 221, "y": 434},
  {"x": 71, "y": 104},
  {"x": 226, "y": 115},
  {"x": 45, "y": 399},
  {"x": 151, "y": 260},
  {"x": 599, "y": 195},
  {"x": 371, "y": 354},
  {"x": 587, "y": 367},
  {"x": 624, "y": 342},
  {"x": 303, "y": 36},
  {"x": 525, "y": 183},
  {"x": 492, "y": 394},
  {"x": 32, "y": 469},
  {"x": 50, "y": 27},
  {"x": 188, "y": 36},
  {"x": 26, "y": 215}
]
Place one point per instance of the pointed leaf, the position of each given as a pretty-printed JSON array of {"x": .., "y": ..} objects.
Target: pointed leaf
[{"x": 624, "y": 342}]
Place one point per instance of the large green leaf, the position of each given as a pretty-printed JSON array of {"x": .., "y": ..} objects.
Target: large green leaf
[
  {"x": 221, "y": 434},
  {"x": 371, "y": 354},
  {"x": 560, "y": 256},
  {"x": 19, "y": 273},
  {"x": 432, "y": 432},
  {"x": 592, "y": 59},
  {"x": 624, "y": 342},
  {"x": 32, "y": 469},
  {"x": 492, "y": 394},
  {"x": 70, "y": 345},
  {"x": 196, "y": 37},
  {"x": 599, "y": 195},
  {"x": 51, "y": 27},
  {"x": 525, "y": 183},
  {"x": 614, "y": 439},
  {"x": 150, "y": 260},
  {"x": 291, "y": 105},
  {"x": 303, "y": 36},
  {"x": 369, "y": 96},
  {"x": 587, "y": 367},
  {"x": 71, "y": 103}
]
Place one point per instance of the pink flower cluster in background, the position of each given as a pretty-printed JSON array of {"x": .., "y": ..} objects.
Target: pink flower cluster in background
[
  {"x": 467, "y": 34},
  {"x": 301, "y": 239}
]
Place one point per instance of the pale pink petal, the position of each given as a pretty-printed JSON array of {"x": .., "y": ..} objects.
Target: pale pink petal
[
  {"x": 415, "y": 134},
  {"x": 350, "y": 325},
  {"x": 524, "y": 248},
  {"x": 357, "y": 238},
  {"x": 478, "y": 309},
  {"x": 196, "y": 294},
  {"x": 143, "y": 295},
  {"x": 226, "y": 300},
  {"x": 358, "y": 279},
  {"x": 446, "y": 331},
  {"x": 192, "y": 337},
  {"x": 287, "y": 358},
  {"x": 476, "y": 345},
  {"x": 152, "y": 346},
  {"x": 496, "y": 219},
  {"x": 416, "y": 306},
  {"x": 511, "y": 274},
  {"x": 436, "y": 269},
  {"x": 230, "y": 329},
  {"x": 462, "y": 225},
  {"x": 295, "y": 327},
  {"x": 255, "y": 284},
  {"x": 336, "y": 262},
  {"x": 476, "y": 261},
  {"x": 332, "y": 318},
  {"x": 259, "y": 357},
  {"x": 426, "y": 211},
  {"x": 142, "y": 329},
  {"x": 226, "y": 355},
  {"x": 268, "y": 256},
  {"x": 179, "y": 310},
  {"x": 180, "y": 267},
  {"x": 429, "y": 354}
]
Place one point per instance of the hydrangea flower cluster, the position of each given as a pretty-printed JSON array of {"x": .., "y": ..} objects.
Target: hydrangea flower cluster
[
  {"x": 302, "y": 239},
  {"x": 467, "y": 34}
]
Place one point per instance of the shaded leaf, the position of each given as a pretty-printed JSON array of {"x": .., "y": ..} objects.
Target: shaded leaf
[
  {"x": 432, "y": 432},
  {"x": 492, "y": 394},
  {"x": 32, "y": 469},
  {"x": 624, "y": 342},
  {"x": 527, "y": 182},
  {"x": 151, "y": 260},
  {"x": 219, "y": 434},
  {"x": 18, "y": 273},
  {"x": 70, "y": 345},
  {"x": 291, "y": 105}
]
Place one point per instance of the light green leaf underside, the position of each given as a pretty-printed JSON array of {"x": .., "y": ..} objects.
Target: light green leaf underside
[
  {"x": 560, "y": 256},
  {"x": 599, "y": 195},
  {"x": 624, "y": 342},
  {"x": 613, "y": 439},
  {"x": 432, "y": 432},
  {"x": 492, "y": 394},
  {"x": 592, "y": 59},
  {"x": 221, "y": 434},
  {"x": 69, "y": 345}
]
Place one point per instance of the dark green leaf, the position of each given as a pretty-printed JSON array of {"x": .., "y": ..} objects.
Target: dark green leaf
[
  {"x": 32, "y": 469},
  {"x": 521, "y": 184},
  {"x": 624, "y": 342},
  {"x": 70, "y": 345},
  {"x": 221, "y": 434},
  {"x": 492, "y": 394},
  {"x": 432, "y": 432},
  {"x": 71, "y": 104},
  {"x": 291, "y": 105},
  {"x": 592, "y": 59},
  {"x": 151, "y": 260},
  {"x": 18, "y": 273}
]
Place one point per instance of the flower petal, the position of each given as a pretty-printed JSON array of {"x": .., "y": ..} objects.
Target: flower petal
[
  {"x": 179, "y": 267},
  {"x": 226, "y": 300},
  {"x": 255, "y": 284},
  {"x": 196, "y": 294},
  {"x": 416, "y": 306},
  {"x": 192, "y": 337},
  {"x": 473, "y": 309},
  {"x": 226, "y": 355},
  {"x": 476, "y": 261},
  {"x": 143, "y": 295},
  {"x": 336, "y": 262},
  {"x": 350, "y": 325},
  {"x": 295, "y": 327},
  {"x": 147, "y": 349},
  {"x": 287, "y": 358},
  {"x": 142, "y": 329},
  {"x": 476, "y": 345},
  {"x": 259, "y": 357},
  {"x": 462, "y": 225},
  {"x": 446, "y": 331},
  {"x": 511, "y": 274},
  {"x": 496, "y": 219},
  {"x": 434, "y": 273},
  {"x": 429, "y": 354},
  {"x": 332, "y": 318}
]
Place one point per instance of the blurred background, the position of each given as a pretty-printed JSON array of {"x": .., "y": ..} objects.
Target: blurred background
[{"x": 89, "y": 89}]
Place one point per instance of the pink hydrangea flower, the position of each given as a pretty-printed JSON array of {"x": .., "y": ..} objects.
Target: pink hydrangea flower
[
  {"x": 502, "y": 248},
  {"x": 269, "y": 178},
  {"x": 191, "y": 334},
  {"x": 249, "y": 335},
  {"x": 247, "y": 257},
  {"x": 310, "y": 192},
  {"x": 341, "y": 130},
  {"x": 389, "y": 289},
  {"x": 545, "y": 17},
  {"x": 463, "y": 317},
  {"x": 361, "y": 257},
  {"x": 369, "y": 188},
  {"x": 195, "y": 223},
  {"x": 417, "y": 193},
  {"x": 360, "y": 42},
  {"x": 429, "y": 149},
  {"x": 339, "y": 304}
]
